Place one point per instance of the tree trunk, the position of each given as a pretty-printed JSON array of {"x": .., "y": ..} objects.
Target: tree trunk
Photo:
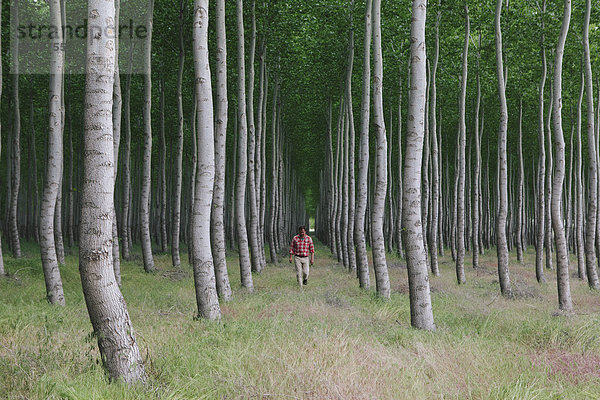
[
  {"x": 15, "y": 241},
  {"x": 106, "y": 306},
  {"x": 351, "y": 179},
  {"x": 274, "y": 175},
  {"x": 435, "y": 192},
  {"x": 117, "y": 105},
  {"x": 592, "y": 206},
  {"x": 520, "y": 192},
  {"x": 240, "y": 196},
  {"x": 217, "y": 229},
  {"x": 379, "y": 262},
  {"x": 54, "y": 289},
  {"x": 541, "y": 201},
  {"x": 176, "y": 228},
  {"x": 126, "y": 210},
  {"x": 477, "y": 172},
  {"x": 204, "y": 273},
  {"x": 420, "y": 298},
  {"x": 501, "y": 242},
  {"x": 162, "y": 202},
  {"x": 579, "y": 245},
  {"x": 549, "y": 168},
  {"x": 562, "y": 256},
  {"x": 460, "y": 207},
  {"x": 147, "y": 154}
]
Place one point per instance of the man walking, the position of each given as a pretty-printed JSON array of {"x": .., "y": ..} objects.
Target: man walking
[{"x": 301, "y": 247}]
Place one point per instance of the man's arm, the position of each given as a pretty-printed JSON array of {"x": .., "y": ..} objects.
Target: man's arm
[{"x": 312, "y": 252}]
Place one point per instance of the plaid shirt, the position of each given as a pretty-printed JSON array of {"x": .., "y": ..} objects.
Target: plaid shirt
[{"x": 302, "y": 247}]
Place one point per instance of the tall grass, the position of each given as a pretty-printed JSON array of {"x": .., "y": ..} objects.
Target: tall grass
[{"x": 330, "y": 340}]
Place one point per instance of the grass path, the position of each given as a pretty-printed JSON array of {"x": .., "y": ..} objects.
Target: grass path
[{"x": 329, "y": 340}]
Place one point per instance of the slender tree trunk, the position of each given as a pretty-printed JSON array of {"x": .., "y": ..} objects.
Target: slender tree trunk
[
  {"x": 240, "y": 196},
  {"x": 147, "y": 154},
  {"x": 520, "y": 192},
  {"x": 274, "y": 175},
  {"x": 420, "y": 298},
  {"x": 36, "y": 204},
  {"x": 54, "y": 289},
  {"x": 460, "y": 222},
  {"x": 2, "y": 270},
  {"x": 435, "y": 192},
  {"x": 106, "y": 306},
  {"x": 363, "y": 159},
  {"x": 549, "y": 171},
  {"x": 541, "y": 201},
  {"x": 176, "y": 228},
  {"x": 126, "y": 210},
  {"x": 477, "y": 171},
  {"x": 163, "y": 172},
  {"x": 592, "y": 206},
  {"x": 579, "y": 245},
  {"x": 217, "y": 228},
  {"x": 204, "y": 273},
  {"x": 15, "y": 241},
  {"x": 378, "y": 245},
  {"x": 562, "y": 256},
  {"x": 253, "y": 228},
  {"x": 58, "y": 236},
  {"x": 352, "y": 265},
  {"x": 501, "y": 242}
]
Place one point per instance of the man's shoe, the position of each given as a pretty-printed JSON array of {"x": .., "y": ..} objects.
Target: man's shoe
[{"x": 305, "y": 281}]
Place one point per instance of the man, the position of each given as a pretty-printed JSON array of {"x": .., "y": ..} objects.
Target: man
[{"x": 301, "y": 248}]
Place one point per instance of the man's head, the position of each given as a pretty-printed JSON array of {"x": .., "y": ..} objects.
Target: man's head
[{"x": 301, "y": 230}]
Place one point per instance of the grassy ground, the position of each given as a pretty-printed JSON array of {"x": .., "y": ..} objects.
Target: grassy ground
[{"x": 328, "y": 341}]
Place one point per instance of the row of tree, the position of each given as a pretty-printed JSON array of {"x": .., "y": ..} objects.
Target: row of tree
[{"x": 426, "y": 204}]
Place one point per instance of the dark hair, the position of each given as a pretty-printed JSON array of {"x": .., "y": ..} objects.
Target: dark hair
[{"x": 301, "y": 227}]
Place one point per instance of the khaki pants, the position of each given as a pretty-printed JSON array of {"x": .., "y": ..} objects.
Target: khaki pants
[{"x": 302, "y": 268}]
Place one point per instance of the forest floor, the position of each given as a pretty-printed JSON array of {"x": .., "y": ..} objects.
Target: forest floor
[{"x": 330, "y": 340}]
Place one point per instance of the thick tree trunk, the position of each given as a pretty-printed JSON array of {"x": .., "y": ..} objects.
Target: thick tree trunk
[
  {"x": 54, "y": 289},
  {"x": 204, "y": 273},
  {"x": 240, "y": 196},
  {"x": 562, "y": 256},
  {"x": 592, "y": 206},
  {"x": 106, "y": 306},
  {"x": 217, "y": 216},
  {"x": 501, "y": 241},
  {"x": 147, "y": 154},
  {"x": 176, "y": 228},
  {"x": 117, "y": 105},
  {"x": 379, "y": 262},
  {"x": 462, "y": 129},
  {"x": 420, "y": 298}
]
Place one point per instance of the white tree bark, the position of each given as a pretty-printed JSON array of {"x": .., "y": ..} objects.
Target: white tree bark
[
  {"x": 592, "y": 206},
  {"x": 462, "y": 129},
  {"x": 435, "y": 190},
  {"x": 382, "y": 279},
  {"x": 218, "y": 208},
  {"x": 562, "y": 255},
  {"x": 105, "y": 303},
  {"x": 176, "y": 228},
  {"x": 501, "y": 241},
  {"x": 147, "y": 155},
  {"x": 15, "y": 184},
  {"x": 240, "y": 195},
  {"x": 54, "y": 289},
  {"x": 204, "y": 273},
  {"x": 421, "y": 312}
]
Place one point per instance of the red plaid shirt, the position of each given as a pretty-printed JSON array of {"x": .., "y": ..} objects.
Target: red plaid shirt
[{"x": 302, "y": 247}]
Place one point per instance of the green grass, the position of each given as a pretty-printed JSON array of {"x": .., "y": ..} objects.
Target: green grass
[{"x": 330, "y": 340}]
